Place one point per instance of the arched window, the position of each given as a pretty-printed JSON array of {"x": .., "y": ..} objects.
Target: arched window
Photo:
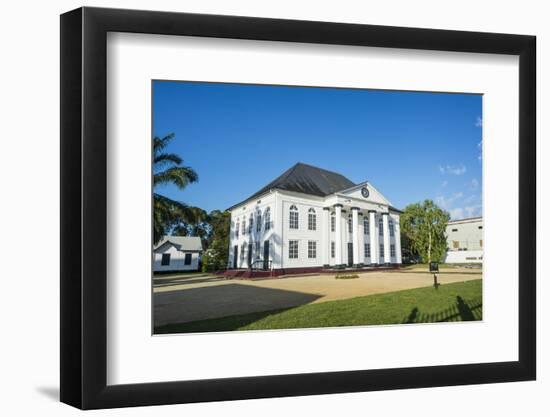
[
  {"x": 258, "y": 221},
  {"x": 366, "y": 226},
  {"x": 267, "y": 219},
  {"x": 244, "y": 226},
  {"x": 311, "y": 219},
  {"x": 293, "y": 219},
  {"x": 237, "y": 230},
  {"x": 350, "y": 223},
  {"x": 250, "y": 223},
  {"x": 390, "y": 224}
]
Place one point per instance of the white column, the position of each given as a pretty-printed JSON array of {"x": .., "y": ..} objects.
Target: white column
[
  {"x": 373, "y": 238},
  {"x": 355, "y": 235},
  {"x": 386, "y": 227},
  {"x": 338, "y": 235},
  {"x": 397, "y": 233},
  {"x": 361, "y": 229},
  {"x": 325, "y": 226}
]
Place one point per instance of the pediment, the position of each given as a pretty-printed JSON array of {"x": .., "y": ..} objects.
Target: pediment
[{"x": 371, "y": 194}]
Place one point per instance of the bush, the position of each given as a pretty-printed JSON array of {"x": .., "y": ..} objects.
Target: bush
[{"x": 348, "y": 276}]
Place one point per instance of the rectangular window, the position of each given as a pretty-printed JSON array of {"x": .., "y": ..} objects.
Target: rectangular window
[
  {"x": 366, "y": 226},
  {"x": 332, "y": 250},
  {"x": 293, "y": 249},
  {"x": 312, "y": 249},
  {"x": 293, "y": 223},
  {"x": 481, "y": 243},
  {"x": 391, "y": 228},
  {"x": 237, "y": 231},
  {"x": 259, "y": 223},
  {"x": 350, "y": 224},
  {"x": 454, "y": 230},
  {"x": 381, "y": 250},
  {"x": 312, "y": 221},
  {"x": 250, "y": 225},
  {"x": 456, "y": 244},
  {"x": 187, "y": 260},
  {"x": 380, "y": 227},
  {"x": 392, "y": 250},
  {"x": 244, "y": 227},
  {"x": 165, "y": 259},
  {"x": 332, "y": 223},
  {"x": 367, "y": 250},
  {"x": 257, "y": 249}
]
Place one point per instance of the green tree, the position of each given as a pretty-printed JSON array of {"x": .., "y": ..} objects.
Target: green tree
[
  {"x": 423, "y": 228},
  {"x": 216, "y": 255},
  {"x": 168, "y": 168}
]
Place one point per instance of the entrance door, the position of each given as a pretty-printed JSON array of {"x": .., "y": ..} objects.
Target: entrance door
[
  {"x": 266, "y": 255},
  {"x": 250, "y": 255},
  {"x": 350, "y": 254},
  {"x": 235, "y": 254}
]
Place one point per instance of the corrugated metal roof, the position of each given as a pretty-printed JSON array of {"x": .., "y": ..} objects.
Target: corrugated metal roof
[
  {"x": 307, "y": 179},
  {"x": 183, "y": 243}
]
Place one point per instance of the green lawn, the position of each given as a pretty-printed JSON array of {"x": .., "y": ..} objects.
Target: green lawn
[{"x": 460, "y": 301}]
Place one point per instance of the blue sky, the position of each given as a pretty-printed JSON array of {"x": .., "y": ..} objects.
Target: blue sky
[{"x": 409, "y": 145}]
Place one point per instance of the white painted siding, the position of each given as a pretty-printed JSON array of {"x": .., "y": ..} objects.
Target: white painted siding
[
  {"x": 464, "y": 257},
  {"x": 242, "y": 213},
  {"x": 303, "y": 235},
  {"x": 177, "y": 260},
  {"x": 280, "y": 234}
]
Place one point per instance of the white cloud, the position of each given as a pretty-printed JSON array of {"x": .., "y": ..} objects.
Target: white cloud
[
  {"x": 445, "y": 202},
  {"x": 480, "y": 148},
  {"x": 479, "y": 122},
  {"x": 456, "y": 213},
  {"x": 474, "y": 184},
  {"x": 452, "y": 169},
  {"x": 464, "y": 212},
  {"x": 470, "y": 198},
  {"x": 444, "y": 183}
]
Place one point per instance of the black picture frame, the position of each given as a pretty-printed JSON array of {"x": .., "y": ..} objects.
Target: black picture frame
[{"x": 84, "y": 207}]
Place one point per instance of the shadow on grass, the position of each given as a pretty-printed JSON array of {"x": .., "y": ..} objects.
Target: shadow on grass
[
  {"x": 463, "y": 310},
  {"x": 224, "y": 324}
]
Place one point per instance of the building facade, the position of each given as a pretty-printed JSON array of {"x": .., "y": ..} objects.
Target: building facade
[
  {"x": 177, "y": 253},
  {"x": 465, "y": 241},
  {"x": 311, "y": 218}
]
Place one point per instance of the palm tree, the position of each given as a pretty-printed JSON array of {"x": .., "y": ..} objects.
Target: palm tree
[{"x": 168, "y": 169}]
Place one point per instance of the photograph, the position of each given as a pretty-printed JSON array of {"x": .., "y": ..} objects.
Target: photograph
[{"x": 298, "y": 207}]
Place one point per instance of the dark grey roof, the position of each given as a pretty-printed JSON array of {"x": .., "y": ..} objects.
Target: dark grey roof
[
  {"x": 182, "y": 243},
  {"x": 307, "y": 179}
]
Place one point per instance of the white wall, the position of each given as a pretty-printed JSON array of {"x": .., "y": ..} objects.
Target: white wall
[
  {"x": 464, "y": 257},
  {"x": 243, "y": 212},
  {"x": 177, "y": 260},
  {"x": 30, "y": 307}
]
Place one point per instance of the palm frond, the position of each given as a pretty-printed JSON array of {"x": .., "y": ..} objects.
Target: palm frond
[
  {"x": 160, "y": 143},
  {"x": 179, "y": 176},
  {"x": 162, "y": 159}
]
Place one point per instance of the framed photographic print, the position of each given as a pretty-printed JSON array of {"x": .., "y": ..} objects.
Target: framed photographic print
[{"x": 258, "y": 208}]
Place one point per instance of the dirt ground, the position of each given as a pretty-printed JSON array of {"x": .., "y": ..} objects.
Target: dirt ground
[{"x": 178, "y": 300}]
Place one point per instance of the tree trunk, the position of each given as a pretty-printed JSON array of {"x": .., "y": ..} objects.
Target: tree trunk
[{"x": 429, "y": 246}]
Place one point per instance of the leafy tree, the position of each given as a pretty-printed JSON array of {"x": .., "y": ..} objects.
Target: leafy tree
[
  {"x": 168, "y": 168},
  {"x": 423, "y": 228},
  {"x": 216, "y": 255}
]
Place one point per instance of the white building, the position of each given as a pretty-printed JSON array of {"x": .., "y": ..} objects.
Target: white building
[
  {"x": 177, "y": 253},
  {"x": 465, "y": 241},
  {"x": 310, "y": 218}
]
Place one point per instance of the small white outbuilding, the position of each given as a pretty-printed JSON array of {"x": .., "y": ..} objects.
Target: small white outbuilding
[{"x": 177, "y": 253}]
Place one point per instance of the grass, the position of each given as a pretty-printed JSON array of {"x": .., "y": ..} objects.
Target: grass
[{"x": 460, "y": 301}]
